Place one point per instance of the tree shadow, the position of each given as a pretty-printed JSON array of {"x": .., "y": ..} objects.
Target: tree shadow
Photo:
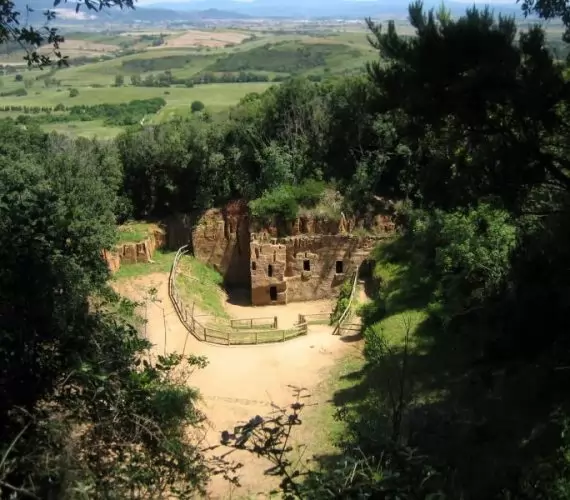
[
  {"x": 483, "y": 422},
  {"x": 238, "y": 296}
]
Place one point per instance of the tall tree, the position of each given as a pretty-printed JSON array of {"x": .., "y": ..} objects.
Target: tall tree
[{"x": 481, "y": 109}]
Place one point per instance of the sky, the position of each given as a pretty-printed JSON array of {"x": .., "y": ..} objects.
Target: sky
[{"x": 404, "y": 2}]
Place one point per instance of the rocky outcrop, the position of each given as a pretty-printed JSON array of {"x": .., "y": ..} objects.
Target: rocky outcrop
[
  {"x": 136, "y": 252},
  {"x": 220, "y": 237}
]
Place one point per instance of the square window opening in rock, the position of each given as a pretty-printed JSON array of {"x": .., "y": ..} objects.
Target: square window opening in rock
[
  {"x": 306, "y": 265},
  {"x": 339, "y": 267},
  {"x": 270, "y": 270},
  {"x": 273, "y": 293},
  {"x": 253, "y": 266}
]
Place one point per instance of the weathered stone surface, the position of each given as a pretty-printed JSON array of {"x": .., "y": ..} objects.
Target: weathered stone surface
[
  {"x": 220, "y": 237},
  {"x": 132, "y": 253},
  {"x": 306, "y": 259},
  {"x": 305, "y": 267}
]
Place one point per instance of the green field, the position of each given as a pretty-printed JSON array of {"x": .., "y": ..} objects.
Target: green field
[
  {"x": 216, "y": 98},
  {"x": 270, "y": 55}
]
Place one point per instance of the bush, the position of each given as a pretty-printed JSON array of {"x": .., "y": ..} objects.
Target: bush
[
  {"x": 283, "y": 203},
  {"x": 309, "y": 193},
  {"x": 197, "y": 106},
  {"x": 73, "y": 92},
  {"x": 279, "y": 203}
]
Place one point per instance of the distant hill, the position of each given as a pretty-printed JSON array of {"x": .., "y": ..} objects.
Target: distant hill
[
  {"x": 158, "y": 13},
  {"x": 240, "y": 9},
  {"x": 330, "y": 9}
]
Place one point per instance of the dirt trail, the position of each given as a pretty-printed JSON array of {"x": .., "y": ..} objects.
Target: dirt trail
[{"x": 243, "y": 381}]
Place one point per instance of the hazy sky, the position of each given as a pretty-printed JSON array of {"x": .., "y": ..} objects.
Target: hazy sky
[{"x": 406, "y": 2}]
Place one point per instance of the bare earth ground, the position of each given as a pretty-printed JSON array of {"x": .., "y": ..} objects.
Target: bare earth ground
[
  {"x": 203, "y": 38},
  {"x": 241, "y": 382}
]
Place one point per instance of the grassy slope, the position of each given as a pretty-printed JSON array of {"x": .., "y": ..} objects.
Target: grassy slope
[
  {"x": 200, "y": 283},
  {"x": 134, "y": 232},
  {"x": 162, "y": 261},
  {"x": 216, "y": 97}
]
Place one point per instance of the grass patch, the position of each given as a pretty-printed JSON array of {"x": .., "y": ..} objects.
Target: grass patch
[
  {"x": 92, "y": 129},
  {"x": 134, "y": 232},
  {"x": 197, "y": 282},
  {"x": 162, "y": 260}
]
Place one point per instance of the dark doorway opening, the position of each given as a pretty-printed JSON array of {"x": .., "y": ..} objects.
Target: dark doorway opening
[
  {"x": 306, "y": 265},
  {"x": 253, "y": 266},
  {"x": 366, "y": 269},
  {"x": 339, "y": 267},
  {"x": 273, "y": 293},
  {"x": 270, "y": 270}
]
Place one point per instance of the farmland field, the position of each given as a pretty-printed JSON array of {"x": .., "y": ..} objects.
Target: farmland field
[{"x": 217, "y": 67}]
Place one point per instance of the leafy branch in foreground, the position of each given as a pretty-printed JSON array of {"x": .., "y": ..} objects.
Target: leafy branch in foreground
[
  {"x": 270, "y": 437},
  {"x": 14, "y": 27}
]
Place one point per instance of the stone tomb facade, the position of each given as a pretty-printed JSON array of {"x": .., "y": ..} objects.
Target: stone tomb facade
[
  {"x": 311, "y": 263},
  {"x": 304, "y": 267}
]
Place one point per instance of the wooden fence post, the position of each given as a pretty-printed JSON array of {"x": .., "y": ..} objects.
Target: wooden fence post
[
  {"x": 275, "y": 322},
  {"x": 228, "y": 337},
  {"x": 256, "y": 337}
]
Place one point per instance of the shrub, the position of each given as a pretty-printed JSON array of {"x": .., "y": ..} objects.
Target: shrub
[
  {"x": 309, "y": 193},
  {"x": 197, "y": 106},
  {"x": 279, "y": 203},
  {"x": 73, "y": 92},
  {"x": 285, "y": 201}
]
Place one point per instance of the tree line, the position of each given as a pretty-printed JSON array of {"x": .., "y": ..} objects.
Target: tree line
[{"x": 122, "y": 114}]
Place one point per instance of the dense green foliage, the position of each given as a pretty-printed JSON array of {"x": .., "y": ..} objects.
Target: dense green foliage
[
  {"x": 464, "y": 393},
  {"x": 283, "y": 202},
  {"x": 159, "y": 63},
  {"x": 84, "y": 412},
  {"x": 127, "y": 113}
]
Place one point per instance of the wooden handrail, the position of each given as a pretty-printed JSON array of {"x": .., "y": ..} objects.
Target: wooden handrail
[
  {"x": 202, "y": 332},
  {"x": 344, "y": 315}
]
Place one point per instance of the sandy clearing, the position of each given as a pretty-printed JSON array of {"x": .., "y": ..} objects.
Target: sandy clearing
[
  {"x": 194, "y": 38},
  {"x": 243, "y": 381}
]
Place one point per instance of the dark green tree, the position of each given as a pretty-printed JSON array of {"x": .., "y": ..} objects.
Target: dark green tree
[
  {"x": 481, "y": 108},
  {"x": 84, "y": 412},
  {"x": 197, "y": 106}
]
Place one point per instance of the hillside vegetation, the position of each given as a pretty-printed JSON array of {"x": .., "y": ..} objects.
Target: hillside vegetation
[{"x": 460, "y": 133}]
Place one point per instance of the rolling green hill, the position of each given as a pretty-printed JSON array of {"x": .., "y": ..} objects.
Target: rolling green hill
[{"x": 292, "y": 57}]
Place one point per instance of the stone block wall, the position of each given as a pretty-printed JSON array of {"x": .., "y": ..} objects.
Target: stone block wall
[
  {"x": 300, "y": 268},
  {"x": 309, "y": 263},
  {"x": 268, "y": 266}
]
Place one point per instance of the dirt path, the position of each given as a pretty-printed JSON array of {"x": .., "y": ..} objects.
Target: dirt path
[{"x": 243, "y": 381}]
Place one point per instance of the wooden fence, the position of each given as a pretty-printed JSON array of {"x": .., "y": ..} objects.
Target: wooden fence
[
  {"x": 251, "y": 323},
  {"x": 318, "y": 318},
  {"x": 348, "y": 311},
  {"x": 227, "y": 334}
]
